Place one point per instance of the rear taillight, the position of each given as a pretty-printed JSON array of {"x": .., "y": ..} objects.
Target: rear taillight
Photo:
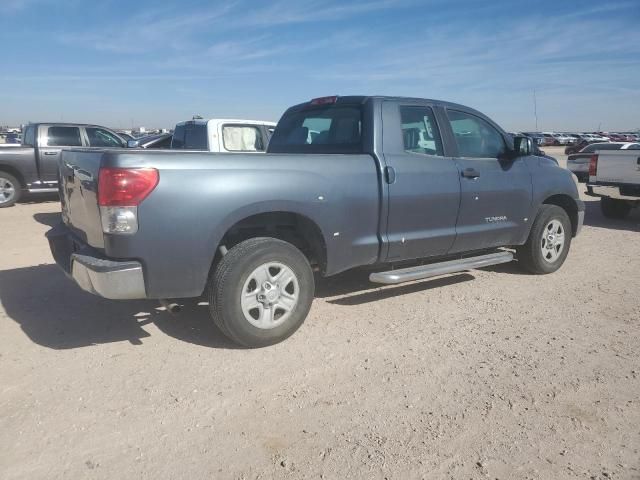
[
  {"x": 125, "y": 187},
  {"x": 593, "y": 165},
  {"x": 120, "y": 191}
]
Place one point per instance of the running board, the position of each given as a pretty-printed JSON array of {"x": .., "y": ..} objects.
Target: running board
[
  {"x": 435, "y": 269},
  {"x": 42, "y": 190}
]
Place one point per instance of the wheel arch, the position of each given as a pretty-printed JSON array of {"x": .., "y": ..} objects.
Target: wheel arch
[
  {"x": 13, "y": 171},
  {"x": 569, "y": 205},
  {"x": 289, "y": 225}
]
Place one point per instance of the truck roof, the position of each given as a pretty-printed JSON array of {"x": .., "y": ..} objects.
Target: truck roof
[
  {"x": 206, "y": 121},
  {"x": 360, "y": 99},
  {"x": 65, "y": 124}
]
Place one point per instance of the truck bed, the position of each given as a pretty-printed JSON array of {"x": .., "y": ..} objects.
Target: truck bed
[{"x": 201, "y": 195}]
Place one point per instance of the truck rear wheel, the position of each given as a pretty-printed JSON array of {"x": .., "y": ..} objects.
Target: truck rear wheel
[
  {"x": 261, "y": 292},
  {"x": 10, "y": 190},
  {"x": 613, "y": 208},
  {"x": 549, "y": 240}
]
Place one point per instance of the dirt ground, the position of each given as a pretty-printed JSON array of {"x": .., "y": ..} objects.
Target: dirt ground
[{"x": 486, "y": 374}]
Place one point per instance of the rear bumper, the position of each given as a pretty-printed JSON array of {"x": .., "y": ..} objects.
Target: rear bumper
[
  {"x": 610, "y": 191},
  {"x": 117, "y": 280}
]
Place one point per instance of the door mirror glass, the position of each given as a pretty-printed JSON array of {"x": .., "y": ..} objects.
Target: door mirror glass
[{"x": 522, "y": 146}]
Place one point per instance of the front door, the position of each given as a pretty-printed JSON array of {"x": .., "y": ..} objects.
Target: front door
[
  {"x": 495, "y": 198},
  {"x": 424, "y": 188},
  {"x": 52, "y": 140}
]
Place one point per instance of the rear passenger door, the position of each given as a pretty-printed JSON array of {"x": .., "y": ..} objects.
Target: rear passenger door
[
  {"x": 495, "y": 201},
  {"x": 424, "y": 188},
  {"x": 51, "y": 142}
]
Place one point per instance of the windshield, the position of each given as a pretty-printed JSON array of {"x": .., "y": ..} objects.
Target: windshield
[{"x": 324, "y": 129}]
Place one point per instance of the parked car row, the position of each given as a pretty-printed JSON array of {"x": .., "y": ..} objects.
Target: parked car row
[
  {"x": 32, "y": 166},
  {"x": 572, "y": 139}
]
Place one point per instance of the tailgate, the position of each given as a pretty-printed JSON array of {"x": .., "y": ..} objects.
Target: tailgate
[
  {"x": 78, "y": 193},
  {"x": 621, "y": 166}
]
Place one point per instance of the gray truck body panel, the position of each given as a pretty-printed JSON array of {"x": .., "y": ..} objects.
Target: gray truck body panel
[{"x": 428, "y": 210}]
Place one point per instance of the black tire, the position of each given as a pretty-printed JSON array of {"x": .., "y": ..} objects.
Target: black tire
[
  {"x": 228, "y": 282},
  {"x": 613, "y": 208},
  {"x": 7, "y": 200},
  {"x": 530, "y": 255}
]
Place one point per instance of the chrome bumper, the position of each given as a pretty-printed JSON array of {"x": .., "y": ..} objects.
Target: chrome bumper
[
  {"x": 107, "y": 278},
  {"x": 117, "y": 280},
  {"x": 609, "y": 191}
]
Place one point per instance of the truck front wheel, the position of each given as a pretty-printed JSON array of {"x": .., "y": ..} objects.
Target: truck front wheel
[
  {"x": 613, "y": 208},
  {"x": 261, "y": 292},
  {"x": 10, "y": 190},
  {"x": 548, "y": 243}
]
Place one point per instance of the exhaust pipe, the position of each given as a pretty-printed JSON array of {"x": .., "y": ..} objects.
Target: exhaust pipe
[{"x": 170, "y": 307}]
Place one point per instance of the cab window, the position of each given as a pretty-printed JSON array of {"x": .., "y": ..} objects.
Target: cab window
[
  {"x": 419, "y": 131},
  {"x": 99, "y": 137},
  {"x": 475, "y": 137},
  {"x": 242, "y": 138},
  {"x": 63, "y": 137}
]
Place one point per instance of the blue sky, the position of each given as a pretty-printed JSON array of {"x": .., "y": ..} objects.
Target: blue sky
[{"x": 154, "y": 63}]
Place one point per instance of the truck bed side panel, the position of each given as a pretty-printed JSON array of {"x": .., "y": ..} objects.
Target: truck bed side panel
[
  {"x": 21, "y": 160},
  {"x": 201, "y": 195}
]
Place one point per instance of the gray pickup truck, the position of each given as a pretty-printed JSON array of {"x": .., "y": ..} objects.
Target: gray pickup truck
[
  {"x": 33, "y": 166},
  {"x": 413, "y": 188}
]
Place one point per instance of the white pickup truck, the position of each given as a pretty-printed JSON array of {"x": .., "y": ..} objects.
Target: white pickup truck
[
  {"x": 223, "y": 135},
  {"x": 614, "y": 176}
]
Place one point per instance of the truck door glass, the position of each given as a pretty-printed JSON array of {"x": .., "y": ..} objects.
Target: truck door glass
[
  {"x": 29, "y": 137},
  {"x": 419, "y": 131},
  {"x": 242, "y": 138},
  {"x": 475, "y": 137},
  {"x": 99, "y": 137},
  {"x": 63, "y": 137}
]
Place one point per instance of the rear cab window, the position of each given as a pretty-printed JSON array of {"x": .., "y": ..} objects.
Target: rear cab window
[
  {"x": 190, "y": 136},
  {"x": 334, "y": 128}
]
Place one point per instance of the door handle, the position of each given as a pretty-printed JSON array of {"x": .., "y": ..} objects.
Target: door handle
[
  {"x": 389, "y": 175},
  {"x": 470, "y": 173},
  {"x": 50, "y": 153}
]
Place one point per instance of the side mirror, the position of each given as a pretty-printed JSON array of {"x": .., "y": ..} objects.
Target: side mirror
[
  {"x": 132, "y": 143},
  {"x": 522, "y": 146}
]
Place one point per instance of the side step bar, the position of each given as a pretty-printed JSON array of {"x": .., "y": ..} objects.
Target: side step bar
[{"x": 435, "y": 269}]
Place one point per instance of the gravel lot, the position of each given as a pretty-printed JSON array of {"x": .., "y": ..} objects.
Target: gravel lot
[{"x": 491, "y": 373}]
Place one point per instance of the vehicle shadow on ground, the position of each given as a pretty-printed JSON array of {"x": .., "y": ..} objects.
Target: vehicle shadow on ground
[
  {"x": 354, "y": 287},
  {"x": 32, "y": 198},
  {"x": 49, "y": 218},
  {"x": 55, "y": 313},
  {"x": 593, "y": 217}
]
